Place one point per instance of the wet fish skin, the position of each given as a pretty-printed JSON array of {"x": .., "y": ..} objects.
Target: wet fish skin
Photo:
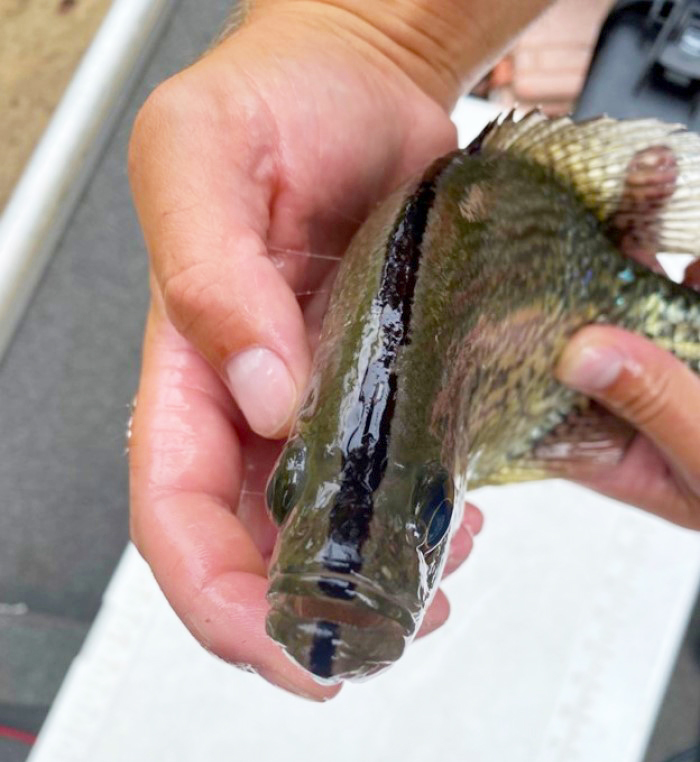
[
  {"x": 386, "y": 571},
  {"x": 541, "y": 268},
  {"x": 435, "y": 371}
]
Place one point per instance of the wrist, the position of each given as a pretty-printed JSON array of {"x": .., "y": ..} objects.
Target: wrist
[{"x": 444, "y": 46}]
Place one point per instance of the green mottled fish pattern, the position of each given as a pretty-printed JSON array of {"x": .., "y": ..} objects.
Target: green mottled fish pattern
[{"x": 434, "y": 371}]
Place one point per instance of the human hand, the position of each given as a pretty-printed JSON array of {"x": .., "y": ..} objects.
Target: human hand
[
  {"x": 660, "y": 397},
  {"x": 250, "y": 171}
]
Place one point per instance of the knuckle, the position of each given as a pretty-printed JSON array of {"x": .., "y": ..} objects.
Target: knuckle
[
  {"x": 187, "y": 296},
  {"x": 648, "y": 398},
  {"x": 204, "y": 313}
]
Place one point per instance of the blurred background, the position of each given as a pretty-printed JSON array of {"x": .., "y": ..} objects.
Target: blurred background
[{"x": 72, "y": 334}]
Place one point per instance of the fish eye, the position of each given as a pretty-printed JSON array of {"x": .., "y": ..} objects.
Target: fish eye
[
  {"x": 287, "y": 482},
  {"x": 433, "y": 499}
]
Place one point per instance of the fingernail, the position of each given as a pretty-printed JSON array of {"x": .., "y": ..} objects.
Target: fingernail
[
  {"x": 591, "y": 368},
  {"x": 263, "y": 388}
]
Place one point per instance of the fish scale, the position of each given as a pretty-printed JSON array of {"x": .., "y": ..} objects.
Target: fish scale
[{"x": 435, "y": 366}]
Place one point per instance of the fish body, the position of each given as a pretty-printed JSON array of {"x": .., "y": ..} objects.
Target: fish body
[{"x": 434, "y": 371}]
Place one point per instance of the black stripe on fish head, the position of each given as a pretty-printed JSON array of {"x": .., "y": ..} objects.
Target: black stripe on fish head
[{"x": 366, "y": 443}]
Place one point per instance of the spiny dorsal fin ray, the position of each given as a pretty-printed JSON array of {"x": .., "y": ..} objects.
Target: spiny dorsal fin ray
[{"x": 640, "y": 177}]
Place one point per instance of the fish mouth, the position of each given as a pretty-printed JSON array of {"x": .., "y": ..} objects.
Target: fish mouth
[{"x": 337, "y": 627}]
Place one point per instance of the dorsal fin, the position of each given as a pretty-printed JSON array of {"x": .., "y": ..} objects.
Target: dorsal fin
[{"x": 640, "y": 177}]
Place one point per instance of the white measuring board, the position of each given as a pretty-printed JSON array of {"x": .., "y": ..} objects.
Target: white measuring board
[{"x": 565, "y": 624}]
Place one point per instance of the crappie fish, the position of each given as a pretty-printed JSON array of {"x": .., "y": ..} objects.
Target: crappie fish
[{"x": 434, "y": 371}]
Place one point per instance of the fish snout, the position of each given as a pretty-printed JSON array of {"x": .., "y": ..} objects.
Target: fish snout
[{"x": 335, "y": 628}]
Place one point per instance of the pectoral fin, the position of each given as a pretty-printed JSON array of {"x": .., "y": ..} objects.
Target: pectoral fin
[{"x": 586, "y": 441}]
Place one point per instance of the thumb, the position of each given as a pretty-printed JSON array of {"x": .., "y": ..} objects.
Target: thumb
[
  {"x": 643, "y": 384},
  {"x": 204, "y": 183},
  {"x": 239, "y": 312}
]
